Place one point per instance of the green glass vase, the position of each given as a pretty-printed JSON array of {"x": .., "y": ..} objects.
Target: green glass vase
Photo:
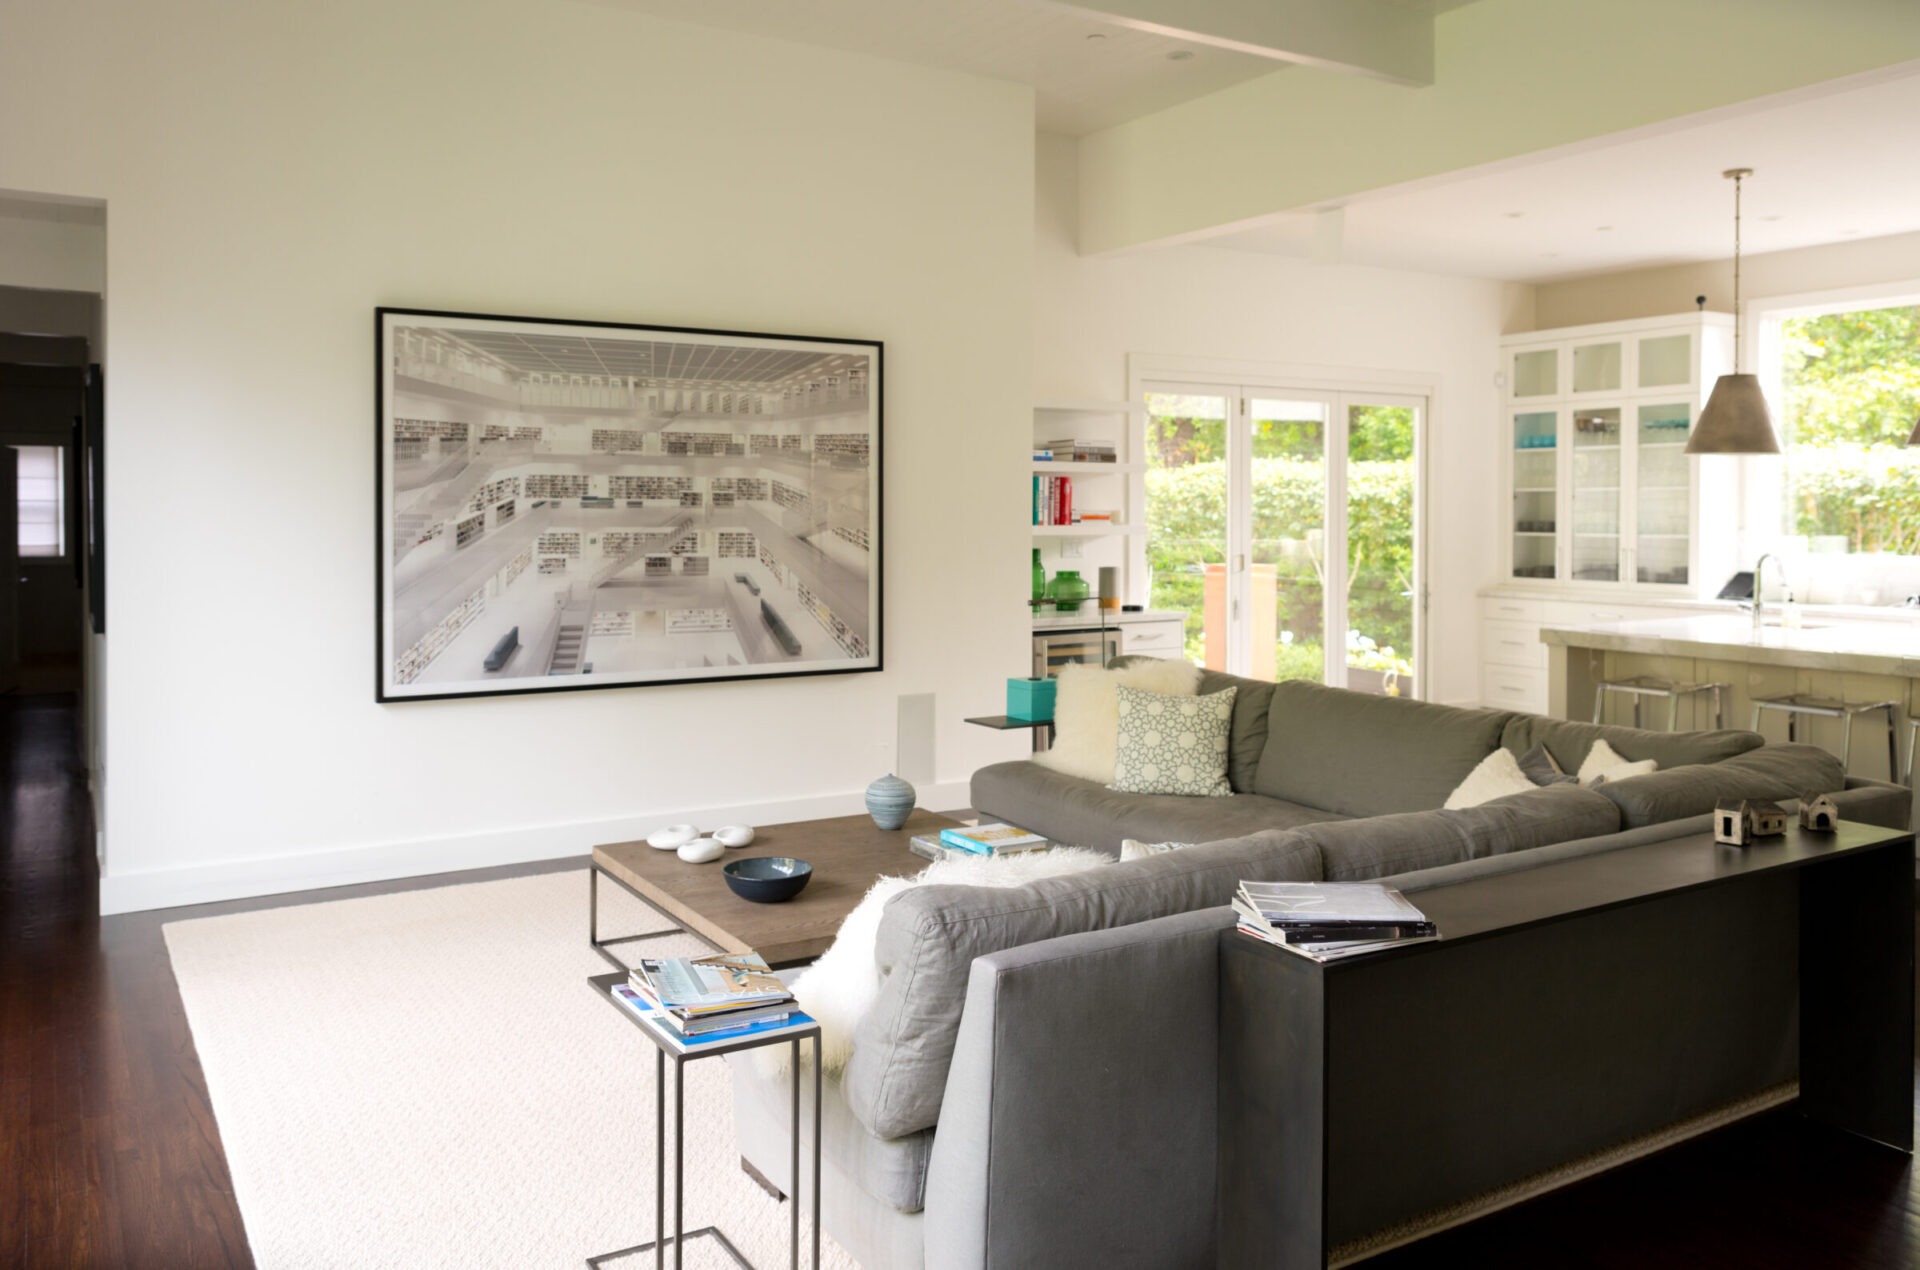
[
  {"x": 1039, "y": 577},
  {"x": 1068, "y": 590}
]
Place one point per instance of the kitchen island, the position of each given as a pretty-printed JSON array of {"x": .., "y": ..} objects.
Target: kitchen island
[{"x": 1851, "y": 659}]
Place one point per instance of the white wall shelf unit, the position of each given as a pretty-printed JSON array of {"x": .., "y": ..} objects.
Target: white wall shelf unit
[
  {"x": 1114, "y": 487},
  {"x": 1083, "y": 531}
]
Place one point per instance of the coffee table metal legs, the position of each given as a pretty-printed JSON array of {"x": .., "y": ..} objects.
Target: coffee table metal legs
[{"x": 593, "y": 920}]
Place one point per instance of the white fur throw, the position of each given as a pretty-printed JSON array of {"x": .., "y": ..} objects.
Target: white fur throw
[
  {"x": 839, "y": 988},
  {"x": 1086, "y": 713}
]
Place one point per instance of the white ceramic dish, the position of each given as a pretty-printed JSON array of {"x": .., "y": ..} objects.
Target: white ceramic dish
[
  {"x": 734, "y": 835},
  {"x": 701, "y": 851},
  {"x": 672, "y": 837}
]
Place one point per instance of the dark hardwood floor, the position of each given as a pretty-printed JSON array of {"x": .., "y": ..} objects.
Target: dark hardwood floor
[{"x": 110, "y": 1157}]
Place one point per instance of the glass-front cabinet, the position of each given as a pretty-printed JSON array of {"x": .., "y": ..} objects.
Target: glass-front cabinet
[{"x": 1600, "y": 485}]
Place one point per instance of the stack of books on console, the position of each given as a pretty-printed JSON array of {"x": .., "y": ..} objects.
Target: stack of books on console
[
  {"x": 977, "y": 840},
  {"x": 725, "y": 996},
  {"x": 1330, "y": 920}
]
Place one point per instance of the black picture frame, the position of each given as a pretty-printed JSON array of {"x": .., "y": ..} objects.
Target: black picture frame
[{"x": 726, "y": 487}]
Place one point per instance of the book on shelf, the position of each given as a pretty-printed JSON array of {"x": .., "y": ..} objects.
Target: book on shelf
[
  {"x": 1053, "y": 500},
  {"x": 644, "y": 1008},
  {"x": 993, "y": 839},
  {"x": 928, "y": 846},
  {"x": 711, "y": 984}
]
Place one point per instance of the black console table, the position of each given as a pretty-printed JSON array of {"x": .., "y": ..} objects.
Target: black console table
[{"x": 1564, "y": 1011}]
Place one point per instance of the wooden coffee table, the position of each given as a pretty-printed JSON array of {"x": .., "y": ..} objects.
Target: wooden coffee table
[{"x": 848, "y": 854}]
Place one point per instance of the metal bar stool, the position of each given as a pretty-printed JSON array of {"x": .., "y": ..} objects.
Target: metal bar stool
[
  {"x": 1913, "y": 743},
  {"x": 1642, "y": 686},
  {"x": 1795, "y": 704}
]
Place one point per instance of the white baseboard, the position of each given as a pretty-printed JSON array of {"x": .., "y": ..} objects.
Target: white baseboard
[{"x": 312, "y": 870}]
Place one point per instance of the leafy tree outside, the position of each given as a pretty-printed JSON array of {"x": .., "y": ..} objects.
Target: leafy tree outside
[{"x": 1852, "y": 393}]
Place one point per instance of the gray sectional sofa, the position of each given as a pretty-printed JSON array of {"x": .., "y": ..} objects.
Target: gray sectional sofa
[{"x": 1035, "y": 1085}]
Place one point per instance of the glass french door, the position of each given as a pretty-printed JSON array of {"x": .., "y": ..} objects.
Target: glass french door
[{"x": 1286, "y": 525}]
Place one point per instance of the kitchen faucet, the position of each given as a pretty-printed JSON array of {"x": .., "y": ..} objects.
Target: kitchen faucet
[{"x": 1759, "y": 604}]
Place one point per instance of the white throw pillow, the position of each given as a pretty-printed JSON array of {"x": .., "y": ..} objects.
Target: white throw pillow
[
  {"x": 1603, "y": 764},
  {"x": 839, "y": 988},
  {"x": 1134, "y": 849},
  {"x": 1173, "y": 745},
  {"x": 1086, "y": 713},
  {"x": 1497, "y": 776}
]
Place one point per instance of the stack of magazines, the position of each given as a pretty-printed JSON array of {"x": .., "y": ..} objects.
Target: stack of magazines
[
  {"x": 705, "y": 998},
  {"x": 1330, "y": 920},
  {"x": 977, "y": 840}
]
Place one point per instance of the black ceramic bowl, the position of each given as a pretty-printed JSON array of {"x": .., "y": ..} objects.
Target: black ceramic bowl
[{"x": 768, "y": 879}]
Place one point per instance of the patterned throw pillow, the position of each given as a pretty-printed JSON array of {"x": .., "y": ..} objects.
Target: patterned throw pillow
[{"x": 1173, "y": 745}]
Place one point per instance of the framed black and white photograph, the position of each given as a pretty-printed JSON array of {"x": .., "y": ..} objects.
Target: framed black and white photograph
[{"x": 567, "y": 505}]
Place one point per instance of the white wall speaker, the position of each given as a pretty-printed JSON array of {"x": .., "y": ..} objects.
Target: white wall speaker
[{"x": 913, "y": 748}]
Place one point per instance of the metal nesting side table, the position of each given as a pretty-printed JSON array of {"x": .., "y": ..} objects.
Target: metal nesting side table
[{"x": 667, "y": 1045}]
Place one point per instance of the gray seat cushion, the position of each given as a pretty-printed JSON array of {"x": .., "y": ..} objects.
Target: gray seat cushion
[
  {"x": 1087, "y": 813},
  {"x": 1364, "y": 755},
  {"x": 1381, "y": 846},
  {"x": 1775, "y": 772},
  {"x": 1569, "y": 742},
  {"x": 892, "y": 1170},
  {"x": 929, "y": 936}
]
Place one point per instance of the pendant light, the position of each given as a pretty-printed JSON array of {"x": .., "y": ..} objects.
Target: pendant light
[{"x": 1735, "y": 420}]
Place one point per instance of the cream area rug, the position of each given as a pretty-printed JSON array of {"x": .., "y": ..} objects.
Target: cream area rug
[{"x": 427, "y": 1079}]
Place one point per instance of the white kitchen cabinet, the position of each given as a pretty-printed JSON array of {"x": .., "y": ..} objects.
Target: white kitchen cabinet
[{"x": 1602, "y": 495}]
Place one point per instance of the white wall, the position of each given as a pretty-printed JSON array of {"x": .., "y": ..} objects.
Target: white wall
[
  {"x": 272, "y": 173},
  {"x": 1637, "y": 293},
  {"x": 52, "y": 255},
  {"x": 1091, "y": 312}
]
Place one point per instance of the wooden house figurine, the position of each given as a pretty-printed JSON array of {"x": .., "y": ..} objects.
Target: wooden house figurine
[
  {"x": 1739, "y": 821},
  {"x": 1819, "y": 813}
]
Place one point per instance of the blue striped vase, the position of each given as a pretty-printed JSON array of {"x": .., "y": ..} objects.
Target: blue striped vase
[{"x": 889, "y": 801}]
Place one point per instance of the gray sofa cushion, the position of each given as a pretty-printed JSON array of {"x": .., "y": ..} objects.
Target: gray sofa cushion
[
  {"x": 1248, "y": 739},
  {"x": 892, "y": 1170},
  {"x": 1088, "y": 814},
  {"x": 1675, "y": 793},
  {"x": 1380, "y": 846},
  {"x": 929, "y": 936},
  {"x": 1569, "y": 742},
  {"x": 1362, "y": 755}
]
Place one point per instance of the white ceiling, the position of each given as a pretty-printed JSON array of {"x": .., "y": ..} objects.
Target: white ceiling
[
  {"x": 1828, "y": 167},
  {"x": 1081, "y": 84}
]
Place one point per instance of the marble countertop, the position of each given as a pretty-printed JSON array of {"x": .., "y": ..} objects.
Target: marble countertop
[
  {"x": 1089, "y": 618},
  {"x": 1875, "y": 647},
  {"x": 1680, "y": 604}
]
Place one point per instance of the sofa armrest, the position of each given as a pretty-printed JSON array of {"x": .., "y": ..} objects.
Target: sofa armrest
[
  {"x": 1078, "y": 1122},
  {"x": 1871, "y": 802}
]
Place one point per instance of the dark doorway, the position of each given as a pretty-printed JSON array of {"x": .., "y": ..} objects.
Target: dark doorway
[{"x": 43, "y": 410}]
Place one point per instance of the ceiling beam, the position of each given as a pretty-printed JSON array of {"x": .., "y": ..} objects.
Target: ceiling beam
[
  {"x": 1390, "y": 40},
  {"x": 1512, "y": 79}
]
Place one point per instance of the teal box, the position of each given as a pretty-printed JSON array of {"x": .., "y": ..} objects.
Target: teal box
[{"x": 1030, "y": 700}]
